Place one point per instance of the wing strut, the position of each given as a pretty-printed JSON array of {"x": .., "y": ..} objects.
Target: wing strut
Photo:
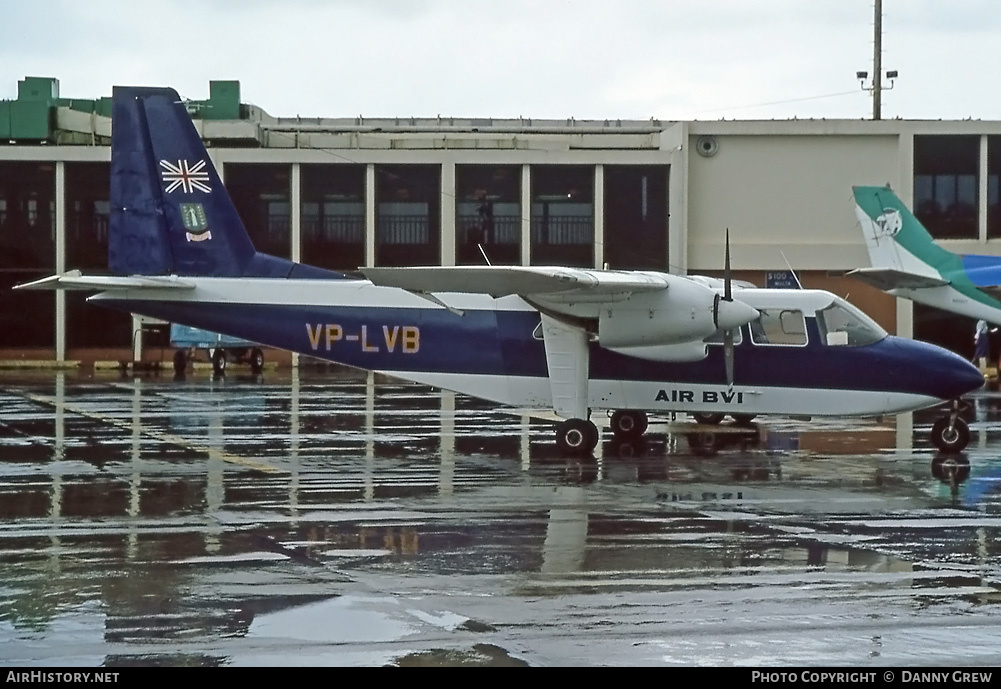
[{"x": 567, "y": 358}]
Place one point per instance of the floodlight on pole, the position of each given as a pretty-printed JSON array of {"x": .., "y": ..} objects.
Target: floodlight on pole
[{"x": 876, "y": 88}]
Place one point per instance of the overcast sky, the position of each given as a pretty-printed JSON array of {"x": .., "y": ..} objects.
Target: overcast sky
[{"x": 588, "y": 59}]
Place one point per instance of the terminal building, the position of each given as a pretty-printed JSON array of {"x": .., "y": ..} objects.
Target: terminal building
[{"x": 346, "y": 192}]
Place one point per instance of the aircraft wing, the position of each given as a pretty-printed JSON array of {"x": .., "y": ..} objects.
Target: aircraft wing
[
  {"x": 888, "y": 279},
  {"x": 75, "y": 280},
  {"x": 499, "y": 281}
]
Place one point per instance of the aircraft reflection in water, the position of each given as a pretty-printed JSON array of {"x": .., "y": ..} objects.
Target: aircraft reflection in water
[{"x": 149, "y": 516}]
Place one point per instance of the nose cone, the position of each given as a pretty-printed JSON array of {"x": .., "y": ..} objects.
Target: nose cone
[
  {"x": 946, "y": 373},
  {"x": 733, "y": 314},
  {"x": 966, "y": 377}
]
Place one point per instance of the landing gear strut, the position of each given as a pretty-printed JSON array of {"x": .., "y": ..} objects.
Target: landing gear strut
[
  {"x": 577, "y": 436},
  {"x": 951, "y": 434}
]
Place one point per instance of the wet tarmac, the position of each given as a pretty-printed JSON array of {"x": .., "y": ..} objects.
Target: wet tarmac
[{"x": 337, "y": 518}]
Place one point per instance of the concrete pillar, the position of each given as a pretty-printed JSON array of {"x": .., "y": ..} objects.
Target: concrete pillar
[
  {"x": 447, "y": 214},
  {"x": 60, "y": 259},
  {"x": 526, "y": 215},
  {"x": 295, "y": 208},
  {"x": 982, "y": 191},
  {"x": 599, "y": 216},
  {"x": 370, "y": 214}
]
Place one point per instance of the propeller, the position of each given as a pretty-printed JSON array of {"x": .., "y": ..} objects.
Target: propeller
[
  {"x": 729, "y": 314},
  {"x": 728, "y": 333}
]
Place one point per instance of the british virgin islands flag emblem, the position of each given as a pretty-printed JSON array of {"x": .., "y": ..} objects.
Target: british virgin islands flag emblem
[{"x": 195, "y": 222}]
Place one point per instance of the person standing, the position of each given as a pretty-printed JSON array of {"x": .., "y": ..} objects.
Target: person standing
[
  {"x": 486, "y": 213},
  {"x": 982, "y": 343}
]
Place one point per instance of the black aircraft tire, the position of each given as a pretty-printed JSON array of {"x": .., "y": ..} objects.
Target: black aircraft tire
[
  {"x": 256, "y": 360},
  {"x": 180, "y": 361},
  {"x": 219, "y": 361},
  {"x": 743, "y": 419},
  {"x": 576, "y": 437},
  {"x": 707, "y": 417},
  {"x": 627, "y": 424},
  {"x": 950, "y": 441}
]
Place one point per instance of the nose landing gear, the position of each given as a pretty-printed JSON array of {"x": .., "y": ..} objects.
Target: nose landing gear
[{"x": 951, "y": 434}]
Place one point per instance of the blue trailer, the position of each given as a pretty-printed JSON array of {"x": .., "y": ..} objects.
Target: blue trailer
[{"x": 219, "y": 349}]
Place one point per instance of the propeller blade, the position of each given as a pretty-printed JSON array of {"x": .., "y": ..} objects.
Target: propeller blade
[
  {"x": 728, "y": 356},
  {"x": 726, "y": 269},
  {"x": 716, "y": 299}
]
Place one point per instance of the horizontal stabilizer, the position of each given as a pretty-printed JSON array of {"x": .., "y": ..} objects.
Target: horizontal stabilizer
[
  {"x": 499, "y": 281},
  {"x": 888, "y": 278},
  {"x": 75, "y": 280}
]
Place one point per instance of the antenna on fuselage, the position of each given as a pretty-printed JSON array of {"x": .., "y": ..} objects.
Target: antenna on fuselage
[
  {"x": 789, "y": 266},
  {"x": 483, "y": 252}
]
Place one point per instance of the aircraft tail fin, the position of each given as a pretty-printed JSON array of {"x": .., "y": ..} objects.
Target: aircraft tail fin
[
  {"x": 898, "y": 244},
  {"x": 170, "y": 213}
]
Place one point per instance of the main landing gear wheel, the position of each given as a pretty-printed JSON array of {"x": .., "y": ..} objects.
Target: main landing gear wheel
[
  {"x": 256, "y": 361},
  {"x": 950, "y": 435},
  {"x": 707, "y": 417},
  {"x": 219, "y": 361},
  {"x": 628, "y": 425},
  {"x": 576, "y": 436},
  {"x": 743, "y": 419}
]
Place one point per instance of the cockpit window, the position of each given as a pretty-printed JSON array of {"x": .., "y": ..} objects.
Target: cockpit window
[
  {"x": 779, "y": 327},
  {"x": 841, "y": 324}
]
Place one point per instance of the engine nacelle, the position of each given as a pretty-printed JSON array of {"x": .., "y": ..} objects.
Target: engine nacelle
[
  {"x": 681, "y": 313},
  {"x": 695, "y": 350}
]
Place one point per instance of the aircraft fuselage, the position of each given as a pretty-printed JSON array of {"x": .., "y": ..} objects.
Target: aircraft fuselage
[{"x": 492, "y": 351}]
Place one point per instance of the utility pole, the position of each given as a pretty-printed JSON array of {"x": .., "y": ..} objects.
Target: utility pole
[{"x": 877, "y": 62}]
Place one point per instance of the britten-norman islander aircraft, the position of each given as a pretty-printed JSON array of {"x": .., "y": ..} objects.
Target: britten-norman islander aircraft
[{"x": 572, "y": 341}]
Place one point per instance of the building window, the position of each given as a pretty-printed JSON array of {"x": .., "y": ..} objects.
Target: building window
[
  {"x": 87, "y": 210},
  {"x": 260, "y": 193},
  {"x": 563, "y": 215},
  {"x": 407, "y": 215},
  {"x": 945, "y": 185},
  {"x": 333, "y": 216},
  {"x": 993, "y": 187},
  {"x": 636, "y": 212},
  {"x": 27, "y": 252},
  {"x": 488, "y": 214}
]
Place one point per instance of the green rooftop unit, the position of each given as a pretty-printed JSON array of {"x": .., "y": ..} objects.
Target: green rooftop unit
[
  {"x": 30, "y": 117},
  {"x": 30, "y": 121},
  {"x": 38, "y": 89},
  {"x": 224, "y": 101}
]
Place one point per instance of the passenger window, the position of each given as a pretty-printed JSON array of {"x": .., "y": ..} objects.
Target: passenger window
[{"x": 779, "y": 327}]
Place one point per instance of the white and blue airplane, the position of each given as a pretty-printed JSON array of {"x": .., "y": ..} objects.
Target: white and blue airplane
[
  {"x": 573, "y": 341},
  {"x": 907, "y": 263}
]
